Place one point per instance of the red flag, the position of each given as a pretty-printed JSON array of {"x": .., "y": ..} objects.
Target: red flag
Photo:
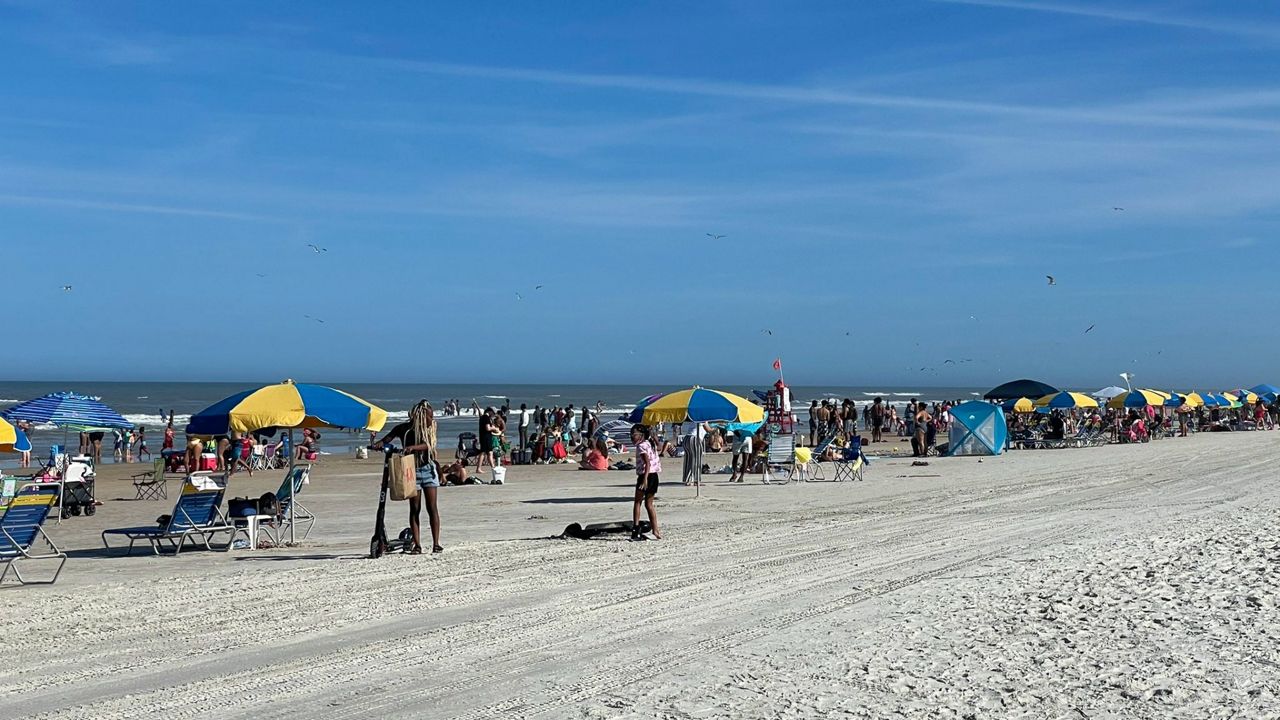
[{"x": 777, "y": 364}]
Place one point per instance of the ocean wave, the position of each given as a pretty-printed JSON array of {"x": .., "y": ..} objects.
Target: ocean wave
[
  {"x": 495, "y": 397},
  {"x": 907, "y": 394},
  {"x": 876, "y": 394},
  {"x": 179, "y": 421},
  {"x": 7, "y": 400}
]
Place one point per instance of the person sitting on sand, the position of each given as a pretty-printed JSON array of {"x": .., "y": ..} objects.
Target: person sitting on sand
[
  {"x": 456, "y": 474},
  {"x": 596, "y": 457}
]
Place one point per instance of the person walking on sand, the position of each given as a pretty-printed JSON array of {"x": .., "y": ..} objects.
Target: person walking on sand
[
  {"x": 648, "y": 465},
  {"x": 417, "y": 435},
  {"x": 813, "y": 423}
]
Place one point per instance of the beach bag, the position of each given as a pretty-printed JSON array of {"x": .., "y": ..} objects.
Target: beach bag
[{"x": 403, "y": 483}]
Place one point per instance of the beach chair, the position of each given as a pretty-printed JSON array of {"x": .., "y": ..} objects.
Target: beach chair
[
  {"x": 196, "y": 516},
  {"x": 782, "y": 456},
  {"x": 807, "y": 467},
  {"x": 850, "y": 465},
  {"x": 303, "y": 518},
  {"x": 21, "y": 527},
  {"x": 151, "y": 485},
  {"x": 8, "y": 488}
]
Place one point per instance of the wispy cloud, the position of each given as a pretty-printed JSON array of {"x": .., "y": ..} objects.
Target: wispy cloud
[
  {"x": 1255, "y": 30},
  {"x": 814, "y": 95},
  {"x": 110, "y": 206}
]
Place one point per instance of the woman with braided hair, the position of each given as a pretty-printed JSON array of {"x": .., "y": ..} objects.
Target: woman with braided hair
[{"x": 418, "y": 436}]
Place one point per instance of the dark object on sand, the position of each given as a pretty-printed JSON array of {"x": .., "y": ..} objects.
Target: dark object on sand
[{"x": 579, "y": 532}]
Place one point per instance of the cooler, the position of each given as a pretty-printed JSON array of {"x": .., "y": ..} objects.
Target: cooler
[{"x": 208, "y": 461}]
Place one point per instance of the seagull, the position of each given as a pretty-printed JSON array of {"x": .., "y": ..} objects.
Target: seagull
[
  {"x": 972, "y": 317},
  {"x": 1086, "y": 332},
  {"x": 66, "y": 288},
  {"x": 1119, "y": 209},
  {"x": 314, "y": 318},
  {"x": 717, "y": 237},
  {"x": 261, "y": 275},
  {"x": 1051, "y": 280},
  {"x": 847, "y": 334},
  {"x": 537, "y": 287},
  {"x": 767, "y": 332},
  {"x": 317, "y": 248},
  {"x": 519, "y": 296},
  {"x": 944, "y": 362}
]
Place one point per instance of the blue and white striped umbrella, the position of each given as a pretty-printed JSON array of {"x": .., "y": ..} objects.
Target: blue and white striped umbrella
[{"x": 67, "y": 409}]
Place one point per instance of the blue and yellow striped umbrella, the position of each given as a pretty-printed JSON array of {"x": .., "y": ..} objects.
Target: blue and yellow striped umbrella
[
  {"x": 1064, "y": 400},
  {"x": 8, "y": 433},
  {"x": 287, "y": 405},
  {"x": 696, "y": 405},
  {"x": 1136, "y": 399},
  {"x": 1244, "y": 396},
  {"x": 1018, "y": 405}
]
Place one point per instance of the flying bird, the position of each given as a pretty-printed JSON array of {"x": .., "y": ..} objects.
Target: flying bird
[
  {"x": 1086, "y": 332},
  {"x": 519, "y": 296},
  {"x": 944, "y": 362},
  {"x": 717, "y": 237},
  {"x": 66, "y": 288},
  {"x": 1118, "y": 209},
  {"x": 767, "y": 332},
  {"x": 314, "y": 318},
  {"x": 261, "y": 275},
  {"x": 537, "y": 287},
  {"x": 1052, "y": 281},
  {"x": 317, "y": 249}
]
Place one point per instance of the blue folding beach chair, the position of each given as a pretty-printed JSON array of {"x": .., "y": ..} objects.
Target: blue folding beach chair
[
  {"x": 197, "y": 516},
  {"x": 850, "y": 464},
  {"x": 302, "y": 518},
  {"x": 20, "y": 529}
]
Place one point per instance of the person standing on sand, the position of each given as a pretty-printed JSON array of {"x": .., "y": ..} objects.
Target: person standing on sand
[
  {"x": 648, "y": 465},
  {"x": 484, "y": 436},
  {"x": 877, "y": 420},
  {"x": 417, "y": 435},
  {"x": 813, "y": 423},
  {"x": 920, "y": 422},
  {"x": 524, "y": 426},
  {"x": 25, "y": 455}
]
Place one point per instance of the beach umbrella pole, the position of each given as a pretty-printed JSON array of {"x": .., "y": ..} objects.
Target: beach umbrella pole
[{"x": 293, "y": 453}]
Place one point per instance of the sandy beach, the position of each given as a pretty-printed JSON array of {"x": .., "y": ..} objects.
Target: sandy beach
[{"x": 1122, "y": 581}]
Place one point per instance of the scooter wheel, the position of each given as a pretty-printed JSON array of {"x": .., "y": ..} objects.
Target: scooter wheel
[{"x": 375, "y": 548}]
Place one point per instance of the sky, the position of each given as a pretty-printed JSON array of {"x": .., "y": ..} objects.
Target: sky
[{"x": 893, "y": 182}]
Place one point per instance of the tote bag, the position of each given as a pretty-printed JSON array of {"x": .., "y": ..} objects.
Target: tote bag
[{"x": 403, "y": 483}]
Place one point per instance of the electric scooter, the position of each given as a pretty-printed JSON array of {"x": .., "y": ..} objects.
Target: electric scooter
[{"x": 379, "y": 545}]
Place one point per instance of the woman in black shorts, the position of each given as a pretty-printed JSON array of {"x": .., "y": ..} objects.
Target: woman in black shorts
[{"x": 648, "y": 465}]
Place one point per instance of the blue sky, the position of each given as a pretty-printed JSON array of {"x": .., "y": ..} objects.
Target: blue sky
[{"x": 894, "y": 181}]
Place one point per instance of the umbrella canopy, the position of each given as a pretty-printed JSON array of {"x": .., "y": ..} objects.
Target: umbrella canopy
[
  {"x": 1215, "y": 400},
  {"x": 1018, "y": 405},
  {"x": 1107, "y": 393},
  {"x": 287, "y": 404},
  {"x": 697, "y": 405},
  {"x": 1244, "y": 396},
  {"x": 1270, "y": 392},
  {"x": 1193, "y": 399},
  {"x": 1020, "y": 388},
  {"x": 1066, "y": 400},
  {"x": 8, "y": 433},
  {"x": 68, "y": 409},
  {"x": 1136, "y": 399}
]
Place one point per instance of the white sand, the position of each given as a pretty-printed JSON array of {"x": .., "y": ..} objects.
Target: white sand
[{"x": 1127, "y": 581}]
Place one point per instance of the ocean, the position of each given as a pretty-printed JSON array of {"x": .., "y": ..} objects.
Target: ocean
[{"x": 148, "y": 404}]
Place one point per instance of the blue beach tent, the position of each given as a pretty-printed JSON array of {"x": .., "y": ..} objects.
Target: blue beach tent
[{"x": 977, "y": 428}]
